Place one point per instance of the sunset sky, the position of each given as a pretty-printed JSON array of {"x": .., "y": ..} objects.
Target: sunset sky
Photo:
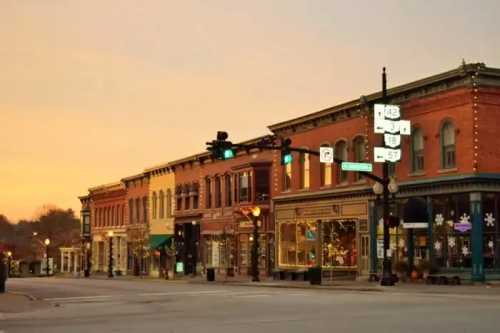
[{"x": 92, "y": 91}]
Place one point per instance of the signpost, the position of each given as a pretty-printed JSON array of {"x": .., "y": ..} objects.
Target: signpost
[
  {"x": 352, "y": 166},
  {"x": 387, "y": 122}
]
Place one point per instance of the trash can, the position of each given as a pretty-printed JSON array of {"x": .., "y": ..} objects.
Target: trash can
[
  {"x": 210, "y": 274},
  {"x": 3, "y": 276},
  {"x": 314, "y": 274}
]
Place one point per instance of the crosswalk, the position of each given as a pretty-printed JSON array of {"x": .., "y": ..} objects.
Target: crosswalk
[{"x": 178, "y": 294}]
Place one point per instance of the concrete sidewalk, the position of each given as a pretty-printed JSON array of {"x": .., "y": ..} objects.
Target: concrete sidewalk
[{"x": 13, "y": 302}]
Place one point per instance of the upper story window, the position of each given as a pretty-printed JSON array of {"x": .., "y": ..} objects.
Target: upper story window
[
  {"x": 169, "y": 203},
  {"x": 341, "y": 153},
  {"x": 359, "y": 153},
  {"x": 138, "y": 210},
  {"x": 178, "y": 196},
  {"x": 304, "y": 170},
  {"x": 155, "y": 205},
  {"x": 131, "y": 211},
  {"x": 145, "y": 209},
  {"x": 417, "y": 150},
  {"x": 162, "y": 205},
  {"x": 187, "y": 198},
  {"x": 195, "y": 188},
  {"x": 208, "y": 192},
  {"x": 228, "y": 185},
  {"x": 262, "y": 184},
  {"x": 287, "y": 176},
  {"x": 326, "y": 171},
  {"x": 218, "y": 192},
  {"x": 122, "y": 221},
  {"x": 244, "y": 186},
  {"x": 448, "y": 145}
]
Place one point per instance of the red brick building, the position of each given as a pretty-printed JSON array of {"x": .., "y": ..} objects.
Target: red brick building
[
  {"x": 211, "y": 199},
  {"x": 328, "y": 217},
  {"x": 108, "y": 213}
]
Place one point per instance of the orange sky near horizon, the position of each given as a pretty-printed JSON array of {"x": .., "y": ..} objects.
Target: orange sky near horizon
[{"x": 93, "y": 91}]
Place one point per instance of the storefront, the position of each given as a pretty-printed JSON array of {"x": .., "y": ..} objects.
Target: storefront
[
  {"x": 187, "y": 245},
  {"x": 460, "y": 234},
  {"x": 326, "y": 232}
]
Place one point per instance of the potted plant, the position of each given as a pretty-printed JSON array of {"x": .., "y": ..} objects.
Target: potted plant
[{"x": 401, "y": 268}]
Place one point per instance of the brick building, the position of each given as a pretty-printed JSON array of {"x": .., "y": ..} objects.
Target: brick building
[
  {"x": 449, "y": 166},
  {"x": 136, "y": 220},
  {"x": 108, "y": 213},
  {"x": 211, "y": 198}
]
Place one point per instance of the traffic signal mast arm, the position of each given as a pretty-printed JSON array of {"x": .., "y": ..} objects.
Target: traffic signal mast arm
[{"x": 268, "y": 143}]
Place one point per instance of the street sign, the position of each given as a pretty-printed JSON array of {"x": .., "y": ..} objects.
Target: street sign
[
  {"x": 326, "y": 154},
  {"x": 404, "y": 127},
  {"x": 352, "y": 166},
  {"x": 392, "y": 140},
  {"x": 379, "y": 154}
]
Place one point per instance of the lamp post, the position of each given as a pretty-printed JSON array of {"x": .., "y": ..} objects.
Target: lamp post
[
  {"x": 255, "y": 213},
  {"x": 47, "y": 243},
  {"x": 87, "y": 258},
  {"x": 110, "y": 260},
  {"x": 9, "y": 258}
]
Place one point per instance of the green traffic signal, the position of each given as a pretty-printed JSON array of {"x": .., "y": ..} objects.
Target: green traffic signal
[
  {"x": 228, "y": 154},
  {"x": 287, "y": 159}
]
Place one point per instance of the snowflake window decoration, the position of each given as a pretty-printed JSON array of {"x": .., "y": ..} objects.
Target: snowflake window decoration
[
  {"x": 451, "y": 242},
  {"x": 465, "y": 250},
  {"x": 465, "y": 219},
  {"x": 439, "y": 219},
  {"x": 490, "y": 244},
  {"x": 437, "y": 245},
  {"x": 490, "y": 220}
]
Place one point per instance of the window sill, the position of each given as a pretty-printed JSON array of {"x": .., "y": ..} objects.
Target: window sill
[
  {"x": 416, "y": 174},
  {"x": 325, "y": 187},
  {"x": 344, "y": 184},
  {"x": 448, "y": 170},
  {"x": 286, "y": 191},
  {"x": 303, "y": 189},
  {"x": 360, "y": 181}
]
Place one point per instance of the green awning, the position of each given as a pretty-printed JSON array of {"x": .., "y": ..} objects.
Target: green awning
[{"x": 156, "y": 241}]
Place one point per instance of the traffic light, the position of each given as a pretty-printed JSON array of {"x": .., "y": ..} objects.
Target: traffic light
[
  {"x": 220, "y": 148},
  {"x": 286, "y": 153}
]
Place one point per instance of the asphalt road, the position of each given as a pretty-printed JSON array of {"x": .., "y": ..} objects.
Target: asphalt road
[{"x": 79, "y": 305}]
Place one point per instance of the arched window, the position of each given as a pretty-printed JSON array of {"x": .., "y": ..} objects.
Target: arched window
[
  {"x": 304, "y": 170},
  {"x": 162, "y": 205},
  {"x": 341, "y": 153},
  {"x": 448, "y": 145},
  {"x": 208, "y": 193},
  {"x": 325, "y": 171},
  {"x": 359, "y": 153},
  {"x": 417, "y": 150},
  {"x": 154, "y": 205},
  {"x": 169, "y": 203}
]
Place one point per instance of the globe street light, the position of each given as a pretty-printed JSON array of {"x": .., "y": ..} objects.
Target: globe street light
[
  {"x": 110, "y": 260},
  {"x": 9, "y": 258},
  {"x": 47, "y": 243},
  {"x": 87, "y": 257},
  {"x": 255, "y": 213}
]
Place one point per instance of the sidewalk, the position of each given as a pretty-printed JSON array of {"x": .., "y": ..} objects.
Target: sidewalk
[
  {"x": 13, "y": 302},
  {"x": 339, "y": 285}
]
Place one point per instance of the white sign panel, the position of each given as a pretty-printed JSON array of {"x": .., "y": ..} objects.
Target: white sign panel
[
  {"x": 378, "y": 119},
  {"x": 392, "y": 140},
  {"x": 404, "y": 127},
  {"x": 392, "y": 155},
  {"x": 326, "y": 154},
  {"x": 415, "y": 225},
  {"x": 391, "y": 126},
  {"x": 379, "y": 154},
  {"x": 392, "y": 112}
]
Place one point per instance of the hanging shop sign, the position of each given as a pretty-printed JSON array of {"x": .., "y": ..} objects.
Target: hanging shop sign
[{"x": 387, "y": 122}]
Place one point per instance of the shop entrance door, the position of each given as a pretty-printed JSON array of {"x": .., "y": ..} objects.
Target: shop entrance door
[{"x": 365, "y": 254}]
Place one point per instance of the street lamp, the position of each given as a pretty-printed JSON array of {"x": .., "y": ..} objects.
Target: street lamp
[
  {"x": 9, "y": 258},
  {"x": 87, "y": 258},
  {"x": 255, "y": 213},
  {"x": 110, "y": 261},
  {"x": 47, "y": 243}
]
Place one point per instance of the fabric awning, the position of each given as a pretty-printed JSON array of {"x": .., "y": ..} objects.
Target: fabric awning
[{"x": 156, "y": 241}]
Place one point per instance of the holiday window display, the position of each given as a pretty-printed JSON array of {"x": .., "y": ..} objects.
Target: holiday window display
[{"x": 339, "y": 243}]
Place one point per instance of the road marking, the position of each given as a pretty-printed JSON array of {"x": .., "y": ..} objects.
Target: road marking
[
  {"x": 251, "y": 296},
  {"x": 78, "y": 298},
  {"x": 186, "y": 293}
]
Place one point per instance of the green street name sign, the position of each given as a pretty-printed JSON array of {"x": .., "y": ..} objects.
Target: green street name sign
[{"x": 352, "y": 166}]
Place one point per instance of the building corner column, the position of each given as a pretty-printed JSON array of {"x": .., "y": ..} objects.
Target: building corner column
[{"x": 477, "y": 237}]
